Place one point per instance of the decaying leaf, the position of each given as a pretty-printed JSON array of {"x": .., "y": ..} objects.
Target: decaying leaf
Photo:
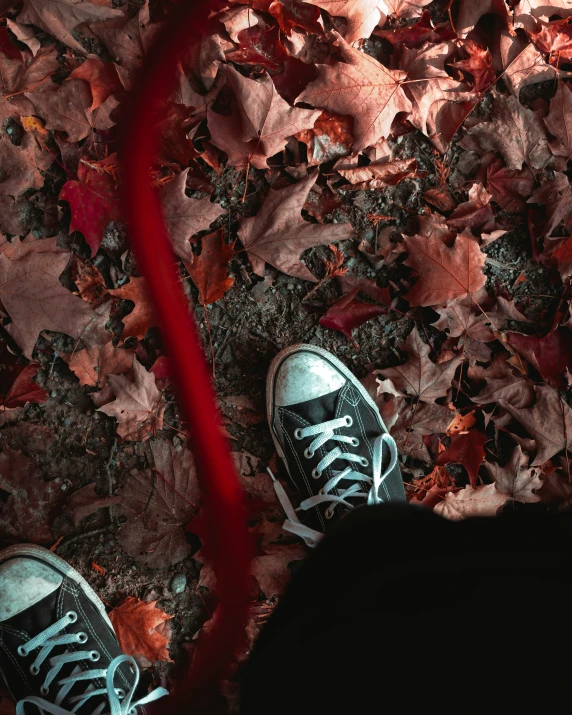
[{"x": 135, "y": 623}]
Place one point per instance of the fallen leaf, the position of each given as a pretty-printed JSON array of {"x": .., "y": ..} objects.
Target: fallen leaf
[
  {"x": 135, "y": 624},
  {"x": 559, "y": 121},
  {"x": 445, "y": 274},
  {"x": 32, "y": 505},
  {"x": 17, "y": 386},
  {"x": 94, "y": 199},
  {"x": 479, "y": 64},
  {"x": 329, "y": 138},
  {"x": 85, "y": 502},
  {"x": 157, "y": 504},
  {"x": 175, "y": 143},
  {"x": 24, "y": 34},
  {"x": 515, "y": 132},
  {"x": 209, "y": 270},
  {"x": 471, "y": 12},
  {"x": 515, "y": 479},
  {"x": 35, "y": 300},
  {"x": 21, "y": 166},
  {"x": 415, "y": 423},
  {"x": 348, "y": 313},
  {"x": 236, "y": 19},
  {"x": 138, "y": 406},
  {"x": 184, "y": 216},
  {"x": 362, "y": 87},
  {"x": 67, "y": 108},
  {"x": 142, "y": 317},
  {"x": 466, "y": 449},
  {"x": 363, "y": 16},
  {"x": 90, "y": 283},
  {"x": 419, "y": 377},
  {"x": 550, "y": 355},
  {"x": 555, "y": 39},
  {"x": 93, "y": 365},
  {"x": 291, "y": 13},
  {"x": 278, "y": 233},
  {"x": 61, "y": 17},
  {"x": 102, "y": 78},
  {"x": 460, "y": 424},
  {"x": 548, "y": 421},
  {"x": 471, "y": 501},
  {"x": 378, "y": 175},
  {"x": 476, "y": 213},
  {"x": 542, "y": 9},
  {"x": 261, "y": 122},
  {"x": 509, "y": 187},
  {"x": 527, "y": 68},
  {"x": 556, "y": 195},
  {"x": 563, "y": 255},
  {"x": 270, "y": 565},
  {"x": 260, "y": 46}
]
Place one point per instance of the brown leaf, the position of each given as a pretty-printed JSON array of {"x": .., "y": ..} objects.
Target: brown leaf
[
  {"x": 102, "y": 78},
  {"x": 471, "y": 501},
  {"x": 93, "y": 365},
  {"x": 142, "y": 317},
  {"x": 509, "y": 188},
  {"x": 466, "y": 449},
  {"x": 378, "y": 175},
  {"x": 362, "y": 87},
  {"x": 415, "y": 423},
  {"x": 445, "y": 274},
  {"x": 329, "y": 138},
  {"x": 270, "y": 566},
  {"x": 515, "y": 131},
  {"x": 471, "y": 12},
  {"x": 135, "y": 624},
  {"x": 209, "y": 270},
  {"x": 476, "y": 213},
  {"x": 85, "y": 502},
  {"x": 157, "y": 504},
  {"x": 138, "y": 406},
  {"x": 479, "y": 64},
  {"x": 18, "y": 386},
  {"x": 21, "y": 166},
  {"x": 559, "y": 121},
  {"x": 35, "y": 300},
  {"x": 556, "y": 195},
  {"x": 89, "y": 281},
  {"x": 528, "y": 68},
  {"x": 515, "y": 479},
  {"x": 419, "y": 377},
  {"x": 542, "y": 9},
  {"x": 278, "y": 233},
  {"x": 261, "y": 122},
  {"x": 548, "y": 421},
  {"x": 348, "y": 313},
  {"x": 465, "y": 321},
  {"x": 363, "y": 16},
  {"x": 184, "y": 216}
]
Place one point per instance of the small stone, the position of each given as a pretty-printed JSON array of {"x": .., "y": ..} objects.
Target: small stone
[
  {"x": 53, "y": 393},
  {"x": 178, "y": 583},
  {"x": 290, "y": 286}
]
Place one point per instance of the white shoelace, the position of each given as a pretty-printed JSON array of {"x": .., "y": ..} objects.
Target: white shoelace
[
  {"x": 120, "y": 702},
  {"x": 324, "y": 432}
]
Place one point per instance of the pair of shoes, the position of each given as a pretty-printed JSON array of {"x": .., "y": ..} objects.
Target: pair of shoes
[
  {"x": 330, "y": 435},
  {"x": 58, "y": 650}
]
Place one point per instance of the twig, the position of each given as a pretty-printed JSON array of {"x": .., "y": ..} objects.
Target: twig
[{"x": 85, "y": 535}]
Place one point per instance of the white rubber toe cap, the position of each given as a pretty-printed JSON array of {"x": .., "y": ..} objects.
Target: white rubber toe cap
[
  {"x": 304, "y": 376},
  {"x": 24, "y": 582}
]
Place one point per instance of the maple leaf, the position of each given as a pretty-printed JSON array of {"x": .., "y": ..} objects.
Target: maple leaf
[
  {"x": 94, "y": 200},
  {"x": 329, "y": 138},
  {"x": 17, "y": 387},
  {"x": 509, "y": 187},
  {"x": 466, "y": 449},
  {"x": 261, "y": 122},
  {"x": 61, "y": 17},
  {"x": 419, "y": 377},
  {"x": 476, "y": 213},
  {"x": 362, "y": 87},
  {"x": 554, "y": 39},
  {"x": 556, "y": 195},
  {"x": 463, "y": 321},
  {"x": 135, "y": 623},
  {"x": 32, "y": 504},
  {"x": 237, "y": 19},
  {"x": 209, "y": 270},
  {"x": 515, "y": 132},
  {"x": 377, "y": 175},
  {"x": 471, "y": 12},
  {"x": 439, "y": 102},
  {"x": 363, "y": 16},
  {"x": 515, "y": 479},
  {"x": 35, "y": 300},
  {"x": 142, "y": 317},
  {"x": 551, "y": 355},
  {"x": 89, "y": 281},
  {"x": 563, "y": 255},
  {"x": 21, "y": 166},
  {"x": 528, "y": 67},
  {"x": 541, "y": 9},
  {"x": 67, "y": 108},
  {"x": 471, "y": 501},
  {"x": 138, "y": 406},
  {"x": 278, "y": 233},
  {"x": 102, "y": 78},
  {"x": 559, "y": 121},
  {"x": 479, "y": 64},
  {"x": 415, "y": 423},
  {"x": 18, "y": 75},
  {"x": 348, "y": 313},
  {"x": 157, "y": 504},
  {"x": 290, "y": 14},
  {"x": 93, "y": 365},
  {"x": 85, "y": 502},
  {"x": 185, "y": 217},
  {"x": 445, "y": 274},
  {"x": 260, "y": 46},
  {"x": 549, "y": 421}
]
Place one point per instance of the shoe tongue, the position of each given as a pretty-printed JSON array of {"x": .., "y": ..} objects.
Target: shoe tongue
[{"x": 319, "y": 409}]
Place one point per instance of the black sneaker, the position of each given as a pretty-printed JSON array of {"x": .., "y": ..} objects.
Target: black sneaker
[
  {"x": 58, "y": 650},
  {"x": 329, "y": 433}
]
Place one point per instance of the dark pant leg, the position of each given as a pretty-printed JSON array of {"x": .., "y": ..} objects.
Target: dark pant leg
[{"x": 401, "y": 609}]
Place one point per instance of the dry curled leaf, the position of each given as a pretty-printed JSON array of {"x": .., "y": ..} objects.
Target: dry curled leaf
[{"x": 471, "y": 501}]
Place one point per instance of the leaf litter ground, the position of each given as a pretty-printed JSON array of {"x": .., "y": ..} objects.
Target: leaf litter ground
[{"x": 418, "y": 228}]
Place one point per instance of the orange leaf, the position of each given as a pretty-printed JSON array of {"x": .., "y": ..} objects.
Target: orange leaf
[{"x": 135, "y": 624}]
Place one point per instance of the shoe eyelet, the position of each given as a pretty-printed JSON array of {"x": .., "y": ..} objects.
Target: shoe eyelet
[
  {"x": 308, "y": 454},
  {"x": 120, "y": 693},
  {"x": 329, "y": 514},
  {"x": 22, "y": 652},
  {"x": 94, "y": 655},
  {"x": 349, "y": 421},
  {"x": 364, "y": 462},
  {"x": 316, "y": 474},
  {"x": 82, "y": 637},
  {"x": 71, "y": 616},
  {"x": 298, "y": 433},
  {"x": 34, "y": 669},
  {"x": 44, "y": 691},
  {"x": 355, "y": 442}
]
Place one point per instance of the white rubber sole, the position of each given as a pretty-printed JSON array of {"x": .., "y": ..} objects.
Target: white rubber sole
[
  {"x": 275, "y": 364},
  {"x": 56, "y": 562}
]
